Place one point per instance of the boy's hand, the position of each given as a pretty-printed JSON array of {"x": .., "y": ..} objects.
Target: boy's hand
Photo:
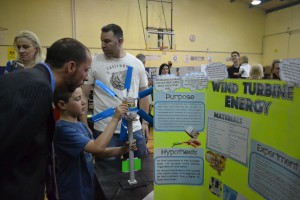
[
  {"x": 121, "y": 110},
  {"x": 132, "y": 146}
]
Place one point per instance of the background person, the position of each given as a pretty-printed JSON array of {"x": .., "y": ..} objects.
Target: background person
[
  {"x": 29, "y": 52},
  {"x": 142, "y": 58},
  {"x": 164, "y": 69},
  {"x": 256, "y": 72},
  {"x": 244, "y": 68},
  {"x": 170, "y": 64},
  {"x": 275, "y": 70},
  {"x": 235, "y": 56}
]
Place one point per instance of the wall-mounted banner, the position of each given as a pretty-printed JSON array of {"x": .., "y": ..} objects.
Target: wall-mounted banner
[{"x": 153, "y": 57}]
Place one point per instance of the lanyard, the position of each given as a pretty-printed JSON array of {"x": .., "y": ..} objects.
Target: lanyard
[{"x": 51, "y": 76}]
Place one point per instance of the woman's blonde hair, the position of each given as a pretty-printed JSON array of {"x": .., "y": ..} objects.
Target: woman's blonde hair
[
  {"x": 35, "y": 41},
  {"x": 256, "y": 72}
]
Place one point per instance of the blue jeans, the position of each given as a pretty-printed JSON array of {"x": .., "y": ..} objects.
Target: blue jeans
[{"x": 116, "y": 142}]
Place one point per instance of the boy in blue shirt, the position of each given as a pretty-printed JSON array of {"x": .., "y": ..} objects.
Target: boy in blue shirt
[{"x": 74, "y": 146}]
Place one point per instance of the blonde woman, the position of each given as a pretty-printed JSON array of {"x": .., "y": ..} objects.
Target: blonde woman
[
  {"x": 256, "y": 72},
  {"x": 29, "y": 52}
]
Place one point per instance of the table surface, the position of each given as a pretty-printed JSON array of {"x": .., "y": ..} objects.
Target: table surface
[{"x": 108, "y": 174}]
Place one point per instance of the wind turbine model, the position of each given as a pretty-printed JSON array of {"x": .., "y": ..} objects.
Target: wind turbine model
[{"x": 126, "y": 125}]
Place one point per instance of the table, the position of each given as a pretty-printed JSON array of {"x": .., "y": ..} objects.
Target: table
[{"x": 108, "y": 175}]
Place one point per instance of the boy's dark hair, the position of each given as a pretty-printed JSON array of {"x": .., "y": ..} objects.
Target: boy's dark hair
[
  {"x": 61, "y": 95},
  {"x": 116, "y": 29},
  {"x": 236, "y": 53},
  {"x": 65, "y": 50}
]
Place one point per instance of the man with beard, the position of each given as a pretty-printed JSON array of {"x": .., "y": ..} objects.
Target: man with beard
[
  {"x": 26, "y": 118},
  {"x": 111, "y": 68}
]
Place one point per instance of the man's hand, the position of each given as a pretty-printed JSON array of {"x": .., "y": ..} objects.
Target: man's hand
[{"x": 145, "y": 129}]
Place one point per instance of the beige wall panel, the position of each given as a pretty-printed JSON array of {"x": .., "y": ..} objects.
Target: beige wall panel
[
  {"x": 91, "y": 15},
  {"x": 295, "y": 15},
  {"x": 219, "y": 26},
  {"x": 287, "y": 19},
  {"x": 275, "y": 47},
  {"x": 282, "y": 38},
  {"x": 50, "y": 20},
  {"x": 278, "y": 22},
  {"x": 294, "y": 46}
]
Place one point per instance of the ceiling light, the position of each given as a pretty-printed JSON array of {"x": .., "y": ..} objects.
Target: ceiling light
[{"x": 255, "y": 2}]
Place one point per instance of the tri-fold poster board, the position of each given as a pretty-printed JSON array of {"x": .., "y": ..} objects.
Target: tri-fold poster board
[{"x": 249, "y": 132}]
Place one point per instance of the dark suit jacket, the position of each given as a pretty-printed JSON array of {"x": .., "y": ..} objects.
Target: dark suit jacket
[{"x": 26, "y": 128}]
